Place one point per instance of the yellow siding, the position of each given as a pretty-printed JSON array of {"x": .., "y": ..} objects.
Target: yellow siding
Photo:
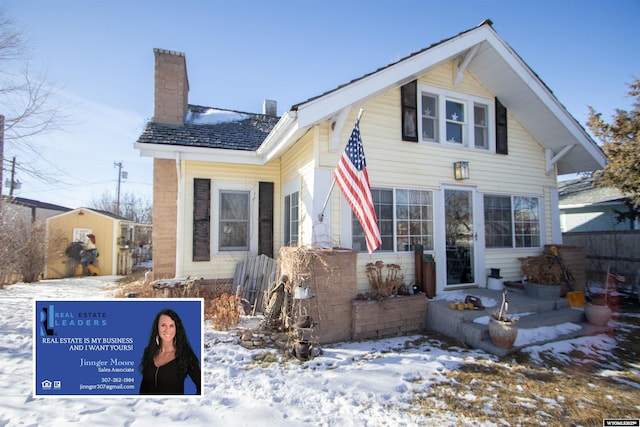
[
  {"x": 223, "y": 264},
  {"x": 392, "y": 162},
  {"x": 299, "y": 157},
  {"x": 62, "y": 226},
  {"x": 299, "y": 163}
]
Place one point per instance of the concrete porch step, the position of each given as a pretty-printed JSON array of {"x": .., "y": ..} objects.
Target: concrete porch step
[{"x": 533, "y": 313}]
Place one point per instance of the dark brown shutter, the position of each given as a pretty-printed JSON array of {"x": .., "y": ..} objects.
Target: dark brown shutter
[
  {"x": 265, "y": 219},
  {"x": 201, "y": 219},
  {"x": 409, "y": 100},
  {"x": 501, "y": 128}
]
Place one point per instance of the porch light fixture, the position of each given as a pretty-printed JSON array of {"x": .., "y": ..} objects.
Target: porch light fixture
[{"x": 461, "y": 170}]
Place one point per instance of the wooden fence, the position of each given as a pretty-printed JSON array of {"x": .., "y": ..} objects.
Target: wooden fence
[
  {"x": 615, "y": 250},
  {"x": 253, "y": 276}
]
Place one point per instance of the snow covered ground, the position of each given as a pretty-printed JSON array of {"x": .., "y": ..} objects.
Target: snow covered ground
[{"x": 351, "y": 384}]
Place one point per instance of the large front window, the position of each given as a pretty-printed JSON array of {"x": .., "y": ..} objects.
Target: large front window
[
  {"x": 465, "y": 122},
  {"x": 512, "y": 221},
  {"x": 405, "y": 219},
  {"x": 526, "y": 220},
  {"x": 234, "y": 220},
  {"x": 383, "y": 205},
  {"x": 414, "y": 219}
]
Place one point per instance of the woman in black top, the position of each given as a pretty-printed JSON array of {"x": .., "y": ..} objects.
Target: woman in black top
[{"x": 168, "y": 357}]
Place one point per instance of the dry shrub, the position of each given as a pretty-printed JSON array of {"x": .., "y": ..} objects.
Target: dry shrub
[
  {"x": 384, "y": 284},
  {"x": 23, "y": 245},
  {"x": 542, "y": 269},
  {"x": 224, "y": 311}
]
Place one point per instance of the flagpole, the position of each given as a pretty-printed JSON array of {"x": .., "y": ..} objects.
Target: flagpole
[
  {"x": 333, "y": 184},
  {"x": 333, "y": 180}
]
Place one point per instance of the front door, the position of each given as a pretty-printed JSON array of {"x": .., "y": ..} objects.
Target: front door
[{"x": 460, "y": 236}]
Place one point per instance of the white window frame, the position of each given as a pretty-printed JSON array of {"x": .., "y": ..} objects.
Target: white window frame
[
  {"x": 216, "y": 188},
  {"x": 288, "y": 190},
  {"x": 347, "y": 224},
  {"x": 469, "y": 102},
  {"x": 80, "y": 234},
  {"x": 541, "y": 221}
]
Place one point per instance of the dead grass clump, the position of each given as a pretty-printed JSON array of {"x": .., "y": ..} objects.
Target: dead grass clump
[
  {"x": 265, "y": 358},
  {"x": 224, "y": 311},
  {"x": 134, "y": 284}
]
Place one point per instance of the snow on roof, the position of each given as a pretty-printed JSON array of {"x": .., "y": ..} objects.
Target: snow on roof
[{"x": 213, "y": 116}]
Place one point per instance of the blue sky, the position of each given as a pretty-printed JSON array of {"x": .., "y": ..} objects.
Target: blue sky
[{"x": 100, "y": 56}]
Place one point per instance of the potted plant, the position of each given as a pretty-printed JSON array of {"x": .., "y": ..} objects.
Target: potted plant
[
  {"x": 502, "y": 328},
  {"x": 542, "y": 276},
  {"x": 597, "y": 311}
]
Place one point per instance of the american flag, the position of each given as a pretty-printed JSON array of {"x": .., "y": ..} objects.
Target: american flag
[{"x": 351, "y": 176}]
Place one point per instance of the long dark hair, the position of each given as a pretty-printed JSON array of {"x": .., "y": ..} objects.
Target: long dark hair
[{"x": 184, "y": 353}]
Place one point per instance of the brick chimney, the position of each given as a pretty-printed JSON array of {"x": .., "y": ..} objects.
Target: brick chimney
[{"x": 171, "y": 87}]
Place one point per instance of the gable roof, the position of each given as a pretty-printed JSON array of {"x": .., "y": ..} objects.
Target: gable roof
[
  {"x": 99, "y": 212},
  {"x": 496, "y": 65},
  {"x": 258, "y": 138},
  {"x": 583, "y": 192},
  {"x": 34, "y": 203}
]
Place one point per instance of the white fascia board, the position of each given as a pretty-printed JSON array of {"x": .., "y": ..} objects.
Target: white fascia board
[
  {"x": 321, "y": 109},
  {"x": 286, "y": 131},
  {"x": 548, "y": 99},
  {"x": 166, "y": 151}
]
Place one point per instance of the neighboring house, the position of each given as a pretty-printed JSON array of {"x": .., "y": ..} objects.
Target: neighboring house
[
  {"x": 113, "y": 237},
  {"x": 228, "y": 185},
  {"x": 587, "y": 207},
  {"x": 30, "y": 211}
]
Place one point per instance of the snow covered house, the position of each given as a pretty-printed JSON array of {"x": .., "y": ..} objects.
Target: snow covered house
[{"x": 463, "y": 144}]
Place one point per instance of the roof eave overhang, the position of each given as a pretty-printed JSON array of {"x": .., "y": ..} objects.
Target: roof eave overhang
[
  {"x": 181, "y": 152},
  {"x": 574, "y": 152},
  {"x": 281, "y": 137},
  {"x": 616, "y": 202},
  {"x": 360, "y": 91},
  {"x": 298, "y": 120}
]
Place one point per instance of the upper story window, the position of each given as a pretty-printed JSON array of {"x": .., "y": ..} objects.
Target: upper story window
[
  {"x": 455, "y": 119},
  {"x": 429, "y": 117},
  {"x": 481, "y": 126},
  {"x": 456, "y": 125}
]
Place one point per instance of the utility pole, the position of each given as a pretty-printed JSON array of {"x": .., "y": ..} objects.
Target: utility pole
[
  {"x": 119, "y": 166},
  {"x": 13, "y": 176},
  {"x": 121, "y": 175}
]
